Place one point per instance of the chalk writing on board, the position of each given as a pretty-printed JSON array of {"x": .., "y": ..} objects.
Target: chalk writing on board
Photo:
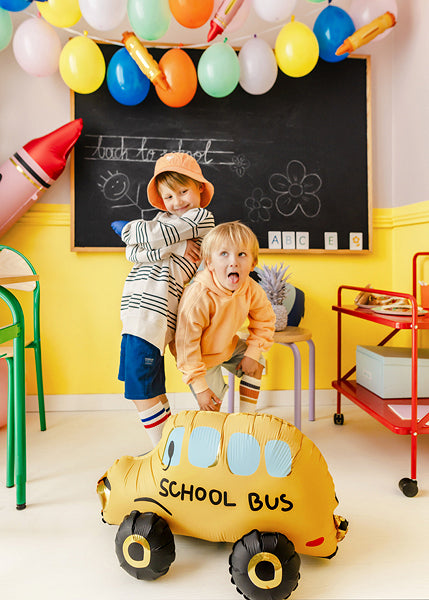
[
  {"x": 121, "y": 148},
  {"x": 296, "y": 189}
]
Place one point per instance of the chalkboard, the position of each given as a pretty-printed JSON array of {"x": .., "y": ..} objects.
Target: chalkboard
[{"x": 293, "y": 163}]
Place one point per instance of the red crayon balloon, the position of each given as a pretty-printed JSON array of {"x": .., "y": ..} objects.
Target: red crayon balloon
[{"x": 32, "y": 170}]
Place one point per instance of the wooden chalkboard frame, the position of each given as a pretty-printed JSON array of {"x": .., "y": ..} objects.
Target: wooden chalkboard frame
[{"x": 366, "y": 227}]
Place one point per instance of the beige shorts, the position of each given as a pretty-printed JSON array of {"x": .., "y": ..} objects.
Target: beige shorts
[{"x": 214, "y": 376}]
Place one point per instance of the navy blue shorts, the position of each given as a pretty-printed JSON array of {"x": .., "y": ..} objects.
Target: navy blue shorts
[{"x": 142, "y": 369}]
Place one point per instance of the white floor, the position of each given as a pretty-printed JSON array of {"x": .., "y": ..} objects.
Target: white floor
[{"x": 58, "y": 547}]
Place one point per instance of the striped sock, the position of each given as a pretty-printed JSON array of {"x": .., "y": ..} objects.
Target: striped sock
[
  {"x": 167, "y": 409},
  {"x": 249, "y": 393},
  {"x": 153, "y": 420}
]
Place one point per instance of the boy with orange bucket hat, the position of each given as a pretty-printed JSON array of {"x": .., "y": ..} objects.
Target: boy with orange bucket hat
[{"x": 165, "y": 253}]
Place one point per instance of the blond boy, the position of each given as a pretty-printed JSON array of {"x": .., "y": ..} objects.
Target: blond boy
[{"x": 212, "y": 310}]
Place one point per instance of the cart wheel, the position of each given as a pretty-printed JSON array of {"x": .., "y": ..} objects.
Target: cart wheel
[
  {"x": 339, "y": 419},
  {"x": 264, "y": 566},
  {"x": 408, "y": 487},
  {"x": 145, "y": 545}
]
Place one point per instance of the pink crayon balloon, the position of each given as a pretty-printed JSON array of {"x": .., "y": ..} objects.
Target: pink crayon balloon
[{"x": 32, "y": 170}]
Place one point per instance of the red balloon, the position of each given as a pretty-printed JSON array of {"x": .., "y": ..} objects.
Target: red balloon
[
  {"x": 181, "y": 76},
  {"x": 191, "y": 13}
]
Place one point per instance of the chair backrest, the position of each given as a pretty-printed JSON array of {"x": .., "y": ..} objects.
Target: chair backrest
[
  {"x": 13, "y": 262},
  {"x": 295, "y": 305}
]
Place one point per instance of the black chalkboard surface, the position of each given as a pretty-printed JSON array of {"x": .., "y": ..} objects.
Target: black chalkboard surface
[{"x": 293, "y": 163}]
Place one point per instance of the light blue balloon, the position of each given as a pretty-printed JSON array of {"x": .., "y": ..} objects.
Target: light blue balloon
[
  {"x": 15, "y": 5},
  {"x": 219, "y": 70},
  {"x": 126, "y": 82},
  {"x": 149, "y": 19},
  {"x": 6, "y": 29},
  {"x": 331, "y": 28}
]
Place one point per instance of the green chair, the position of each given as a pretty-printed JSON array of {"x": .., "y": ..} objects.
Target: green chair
[{"x": 14, "y": 265}]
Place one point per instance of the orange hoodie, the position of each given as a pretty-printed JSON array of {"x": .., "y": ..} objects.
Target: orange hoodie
[{"x": 208, "y": 320}]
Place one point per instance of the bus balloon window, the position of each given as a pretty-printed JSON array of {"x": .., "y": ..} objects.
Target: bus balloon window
[
  {"x": 203, "y": 448},
  {"x": 243, "y": 454},
  {"x": 173, "y": 447},
  {"x": 278, "y": 458}
]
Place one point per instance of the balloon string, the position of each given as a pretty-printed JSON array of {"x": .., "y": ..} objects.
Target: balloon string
[{"x": 166, "y": 45}]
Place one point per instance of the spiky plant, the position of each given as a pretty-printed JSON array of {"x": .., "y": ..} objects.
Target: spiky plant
[{"x": 273, "y": 281}]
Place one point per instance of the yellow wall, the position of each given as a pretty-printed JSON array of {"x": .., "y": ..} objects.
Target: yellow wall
[{"x": 81, "y": 293}]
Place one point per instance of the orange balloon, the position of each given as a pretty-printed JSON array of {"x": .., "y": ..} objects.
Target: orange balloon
[
  {"x": 181, "y": 76},
  {"x": 191, "y": 13}
]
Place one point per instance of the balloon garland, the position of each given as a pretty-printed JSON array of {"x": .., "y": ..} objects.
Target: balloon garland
[{"x": 37, "y": 47}]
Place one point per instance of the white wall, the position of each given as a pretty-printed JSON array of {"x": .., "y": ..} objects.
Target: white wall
[
  {"x": 410, "y": 100},
  {"x": 31, "y": 107}
]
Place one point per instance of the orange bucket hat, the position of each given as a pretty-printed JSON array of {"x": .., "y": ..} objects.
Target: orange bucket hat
[{"x": 180, "y": 163}]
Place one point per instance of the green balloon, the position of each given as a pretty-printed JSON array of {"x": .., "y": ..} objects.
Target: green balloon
[
  {"x": 219, "y": 70},
  {"x": 149, "y": 19},
  {"x": 6, "y": 28}
]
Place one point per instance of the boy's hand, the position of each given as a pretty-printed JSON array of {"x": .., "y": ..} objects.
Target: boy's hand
[
  {"x": 118, "y": 226},
  {"x": 192, "y": 251},
  {"x": 208, "y": 400},
  {"x": 251, "y": 367}
]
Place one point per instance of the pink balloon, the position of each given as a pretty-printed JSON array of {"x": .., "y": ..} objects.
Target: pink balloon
[
  {"x": 37, "y": 47},
  {"x": 363, "y": 12}
]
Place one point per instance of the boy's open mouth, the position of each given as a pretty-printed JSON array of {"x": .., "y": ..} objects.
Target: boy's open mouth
[{"x": 234, "y": 277}]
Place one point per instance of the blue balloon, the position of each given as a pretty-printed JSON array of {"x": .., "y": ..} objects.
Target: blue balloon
[
  {"x": 331, "y": 28},
  {"x": 15, "y": 5},
  {"x": 126, "y": 82}
]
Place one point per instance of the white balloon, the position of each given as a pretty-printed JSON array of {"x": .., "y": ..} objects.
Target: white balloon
[
  {"x": 37, "y": 47},
  {"x": 103, "y": 15},
  {"x": 363, "y": 12},
  {"x": 274, "y": 10},
  {"x": 258, "y": 66}
]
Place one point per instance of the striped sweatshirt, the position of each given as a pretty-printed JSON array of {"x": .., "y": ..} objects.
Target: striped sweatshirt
[{"x": 155, "y": 284}]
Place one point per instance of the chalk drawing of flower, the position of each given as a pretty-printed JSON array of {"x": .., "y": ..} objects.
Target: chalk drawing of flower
[
  {"x": 240, "y": 164},
  {"x": 259, "y": 206},
  {"x": 296, "y": 189}
]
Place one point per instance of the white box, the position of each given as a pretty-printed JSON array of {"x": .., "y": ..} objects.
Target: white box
[{"x": 386, "y": 371}]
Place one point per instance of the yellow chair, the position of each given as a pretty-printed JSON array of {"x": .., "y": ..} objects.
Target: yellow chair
[{"x": 17, "y": 273}]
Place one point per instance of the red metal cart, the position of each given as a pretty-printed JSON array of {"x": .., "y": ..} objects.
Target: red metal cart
[{"x": 370, "y": 402}]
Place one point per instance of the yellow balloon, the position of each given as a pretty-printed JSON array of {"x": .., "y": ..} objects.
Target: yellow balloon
[
  {"x": 296, "y": 49},
  {"x": 60, "y": 13},
  {"x": 82, "y": 65}
]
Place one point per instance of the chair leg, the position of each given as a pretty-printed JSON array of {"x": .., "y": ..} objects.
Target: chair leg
[
  {"x": 311, "y": 381},
  {"x": 20, "y": 425},
  {"x": 40, "y": 393},
  {"x": 231, "y": 392},
  {"x": 297, "y": 384},
  {"x": 10, "y": 452}
]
